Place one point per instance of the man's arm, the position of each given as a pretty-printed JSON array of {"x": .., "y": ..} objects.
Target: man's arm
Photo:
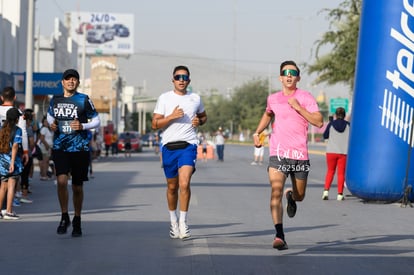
[
  {"x": 315, "y": 118},
  {"x": 22, "y": 125},
  {"x": 160, "y": 121},
  {"x": 264, "y": 122}
]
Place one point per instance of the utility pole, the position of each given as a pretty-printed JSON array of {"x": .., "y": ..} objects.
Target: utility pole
[{"x": 29, "y": 58}]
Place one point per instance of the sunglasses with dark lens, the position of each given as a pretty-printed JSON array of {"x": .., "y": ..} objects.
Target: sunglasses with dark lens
[
  {"x": 289, "y": 72},
  {"x": 182, "y": 77}
]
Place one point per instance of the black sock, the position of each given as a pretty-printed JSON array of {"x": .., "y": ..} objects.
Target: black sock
[{"x": 279, "y": 231}]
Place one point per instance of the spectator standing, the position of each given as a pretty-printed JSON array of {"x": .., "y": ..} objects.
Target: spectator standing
[
  {"x": 179, "y": 112},
  {"x": 11, "y": 164},
  {"x": 219, "y": 141},
  {"x": 127, "y": 144},
  {"x": 24, "y": 180},
  {"x": 45, "y": 144},
  {"x": 259, "y": 151},
  {"x": 8, "y": 97},
  {"x": 108, "y": 142},
  {"x": 114, "y": 143},
  {"x": 337, "y": 134},
  {"x": 204, "y": 144}
]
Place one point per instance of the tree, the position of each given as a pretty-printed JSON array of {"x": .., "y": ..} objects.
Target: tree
[
  {"x": 240, "y": 112},
  {"x": 338, "y": 65},
  {"x": 248, "y": 104}
]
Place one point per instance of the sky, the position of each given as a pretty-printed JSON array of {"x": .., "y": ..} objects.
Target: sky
[{"x": 244, "y": 38}]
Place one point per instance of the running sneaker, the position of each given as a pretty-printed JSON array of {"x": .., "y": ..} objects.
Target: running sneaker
[
  {"x": 253, "y": 163},
  {"x": 63, "y": 226},
  {"x": 76, "y": 223},
  {"x": 16, "y": 202},
  {"x": 10, "y": 216},
  {"x": 1, "y": 216},
  {"x": 340, "y": 197},
  {"x": 174, "y": 231},
  {"x": 325, "y": 195},
  {"x": 25, "y": 200},
  {"x": 291, "y": 204},
  {"x": 184, "y": 231},
  {"x": 279, "y": 244}
]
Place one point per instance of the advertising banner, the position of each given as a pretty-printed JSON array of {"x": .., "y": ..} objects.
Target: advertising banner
[
  {"x": 103, "y": 33},
  {"x": 47, "y": 84},
  {"x": 380, "y": 159}
]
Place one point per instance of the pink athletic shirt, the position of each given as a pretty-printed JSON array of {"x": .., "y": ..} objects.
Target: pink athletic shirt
[{"x": 289, "y": 136}]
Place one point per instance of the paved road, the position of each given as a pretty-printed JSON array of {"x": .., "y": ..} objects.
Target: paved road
[{"x": 126, "y": 226}]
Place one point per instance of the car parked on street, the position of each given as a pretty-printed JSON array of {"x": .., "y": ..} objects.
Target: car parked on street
[{"x": 136, "y": 145}]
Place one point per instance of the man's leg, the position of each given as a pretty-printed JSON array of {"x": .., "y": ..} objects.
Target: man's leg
[
  {"x": 77, "y": 198},
  {"x": 299, "y": 188},
  {"x": 184, "y": 177},
  {"x": 277, "y": 181},
  {"x": 62, "y": 191},
  {"x": 63, "y": 196},
  {"x": 172, "y": 201},
  {"x": 172, "y": 193},
  {"x": 77, "y": 190}
]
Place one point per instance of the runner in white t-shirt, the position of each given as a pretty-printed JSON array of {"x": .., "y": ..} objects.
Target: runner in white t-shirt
[{"x": 179, "y": 113}]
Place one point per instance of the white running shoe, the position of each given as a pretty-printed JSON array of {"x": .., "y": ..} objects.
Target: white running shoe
[
  {"x": 10, "y": 216},
  {"x": 340, "y": 197},
  {"x": 174, "y": 231},
  {"x": 184, "y": 231},
  {"x": 25, "y": 200},
  {"x": 325, "y": 195}
]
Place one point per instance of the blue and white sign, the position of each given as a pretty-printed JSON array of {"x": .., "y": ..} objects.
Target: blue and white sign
[{"x": 47, "y": 84}]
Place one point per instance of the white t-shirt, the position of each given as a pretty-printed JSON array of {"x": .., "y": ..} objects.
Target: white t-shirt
[
  {"x": 180, "y": 129},
  {"x": 48, "y": 134}
]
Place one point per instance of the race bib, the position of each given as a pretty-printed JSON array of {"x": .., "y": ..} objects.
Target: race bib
[{"x": 64, "y": 126}]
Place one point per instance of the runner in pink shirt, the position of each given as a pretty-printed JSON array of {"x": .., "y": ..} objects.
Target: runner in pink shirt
[{"x": 292, "y": 110}]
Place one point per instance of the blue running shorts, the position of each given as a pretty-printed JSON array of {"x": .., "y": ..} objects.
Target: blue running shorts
[{"x": 172, "y": 160}]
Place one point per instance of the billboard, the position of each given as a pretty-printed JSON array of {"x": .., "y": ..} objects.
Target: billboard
[{"x": 103, "y": 33}]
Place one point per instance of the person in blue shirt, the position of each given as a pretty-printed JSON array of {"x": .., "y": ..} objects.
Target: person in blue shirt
[
  {"x": 70, "y": 115},
  {"x": 11, "y": 165}
]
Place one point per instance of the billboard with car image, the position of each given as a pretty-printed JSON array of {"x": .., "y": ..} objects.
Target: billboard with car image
[{"x": 103, "y": 33}]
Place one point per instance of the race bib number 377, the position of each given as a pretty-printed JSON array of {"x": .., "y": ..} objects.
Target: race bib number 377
[{"x": 64, "y": 127}]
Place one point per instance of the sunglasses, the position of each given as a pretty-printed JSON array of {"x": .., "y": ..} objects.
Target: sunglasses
[
  {"x": 289, "y": 72},
  {"x": 182, "y": 77}
]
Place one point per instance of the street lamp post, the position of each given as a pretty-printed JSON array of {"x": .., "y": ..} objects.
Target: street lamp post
[{"x": 29, "y": 57}]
